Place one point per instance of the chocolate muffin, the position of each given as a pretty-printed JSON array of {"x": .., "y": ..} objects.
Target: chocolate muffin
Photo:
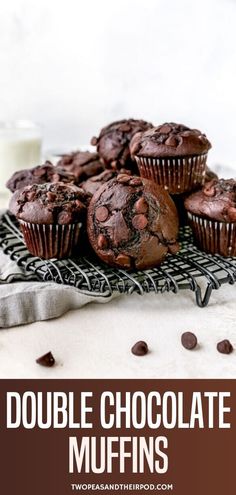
[
  {"x": 38, "y": 175},
  {"x": 82, "y": 164},
  {"x": 113, "y": 142},
  {"x": 212, "y": 216},
  {"x": 92, "y": 185},
  {"x": 180, "y": 198},
  {"x": 50, "y": 216},
  {"x": 132, "y": 223},
  {"x": 172, "y": 155}
]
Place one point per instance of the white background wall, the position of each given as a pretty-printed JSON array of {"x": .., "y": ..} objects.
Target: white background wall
[{"x": 75, "y": 65}]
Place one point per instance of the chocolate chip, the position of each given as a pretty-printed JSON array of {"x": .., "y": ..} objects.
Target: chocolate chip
[
  {"x": 141, "y": 205},
  {"x": 79, "y": 203},
  {"x": 165, "y": 129},
  {"x": 232, "y": 214},
  {"x": 46, "y": 360},
  {"x": 125, "y": 127},
  {"x": 189, "y": 340},
  {"x": 173, "y": 248},
  {"x": 209, "y": 191},
  {"x": 187, "y": 133},
  {"x": 56, "y": 178},
  {"x": 113, "y": 165},
  {"x": 39, "y": 171},
  {"x": 31, "y": 195},
  {"x": 139, "y": 222},
  {"x": 94, "y": 141},
  {"x": 102, "y": 241},
  {"x": 124, "y": 260},
  {"x": 172, "y": 141},
  {"x": 101, "y": 213},
  {"x": 123, "y": 178},
  {"x": 64, "y": 217},
  {"x": 224, "y": 347},
  {"x": 140, "y": 348},
  {"x": 124, "y": 171},
  {"x": 135, "y": 182},
  {"x": 51, "y": 196}
]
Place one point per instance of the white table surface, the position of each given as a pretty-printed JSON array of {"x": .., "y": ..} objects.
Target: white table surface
[{"x": 95, "y": 341}]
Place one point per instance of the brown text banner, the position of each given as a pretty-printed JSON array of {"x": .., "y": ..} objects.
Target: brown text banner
[{"x": 117, "y": 436}]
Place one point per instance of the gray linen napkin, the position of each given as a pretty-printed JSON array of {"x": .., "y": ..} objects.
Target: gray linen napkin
[{"x": 23, "y": 299}]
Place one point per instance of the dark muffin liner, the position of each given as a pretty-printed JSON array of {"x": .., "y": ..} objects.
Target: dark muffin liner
[
  {"x": 50, "y": 241},
  {"x": 212, "y": 236},
  {"x": 182, "y": 212},
  {"x": 177, "y": 175}
]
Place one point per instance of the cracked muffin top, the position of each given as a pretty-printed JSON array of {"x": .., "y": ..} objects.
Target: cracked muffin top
[
  {"x": 114, "y": 139},
  {"x": 82, "y": 164},
  {"x": 216, "y": 200},
  {"x": 132, "y": 223},
  {"x": 39, "y": 175},
  {"x": 92, "y": 185},
  {"x": 50, "y": 203},
  {"x": 168, "y": 140}
]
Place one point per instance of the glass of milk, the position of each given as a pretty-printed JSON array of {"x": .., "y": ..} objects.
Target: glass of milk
[{"x": 20, "y": 147}]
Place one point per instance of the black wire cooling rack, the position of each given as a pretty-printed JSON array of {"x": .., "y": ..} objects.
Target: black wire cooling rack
[{"x": 189, "y": 269}]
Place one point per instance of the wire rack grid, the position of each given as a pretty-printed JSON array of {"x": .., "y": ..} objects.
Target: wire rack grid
[{"x": 189, "y": 269}]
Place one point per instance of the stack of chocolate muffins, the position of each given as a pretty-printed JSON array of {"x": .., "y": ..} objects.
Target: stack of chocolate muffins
[{"x": 128, "y": 197}]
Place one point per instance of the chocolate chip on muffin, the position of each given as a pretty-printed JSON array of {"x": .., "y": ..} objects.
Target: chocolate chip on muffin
[
  {"x": 46, "y": 203},
  {"x": 172, "y": 155},
  {"x": 50, "y": 216},
  {"x": 132, "y": 223},
  {"x": 212, "y": 216},
  {"x": 39, "y": 175},
  {"x": 215, "y": 201},
  {"x": 168, "y": 140},
  {"x": 114, "y": 139},
  {"x": 82, "y": 164}
]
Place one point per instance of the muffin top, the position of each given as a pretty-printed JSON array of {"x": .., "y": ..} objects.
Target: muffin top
[
  {"x": 50, "y": 203},
  {"x": 92, "y": 185},
  {"x": 168, "y": 140},
  {"x": 82, "y": 164},
  {"x": 114, "y": 139},
  {"x": 132, "y": 223},
  {"x": 216, "y": 200},
  {"x": 38, "y": 175}
]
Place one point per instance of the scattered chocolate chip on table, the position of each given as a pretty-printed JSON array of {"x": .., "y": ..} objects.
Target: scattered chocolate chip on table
[
  {"x": 140, "y": 348},
  {"x": 189, "y": 340},
  {"x": 46, "y": 360},
  {"x": 225, "y": 347}
]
